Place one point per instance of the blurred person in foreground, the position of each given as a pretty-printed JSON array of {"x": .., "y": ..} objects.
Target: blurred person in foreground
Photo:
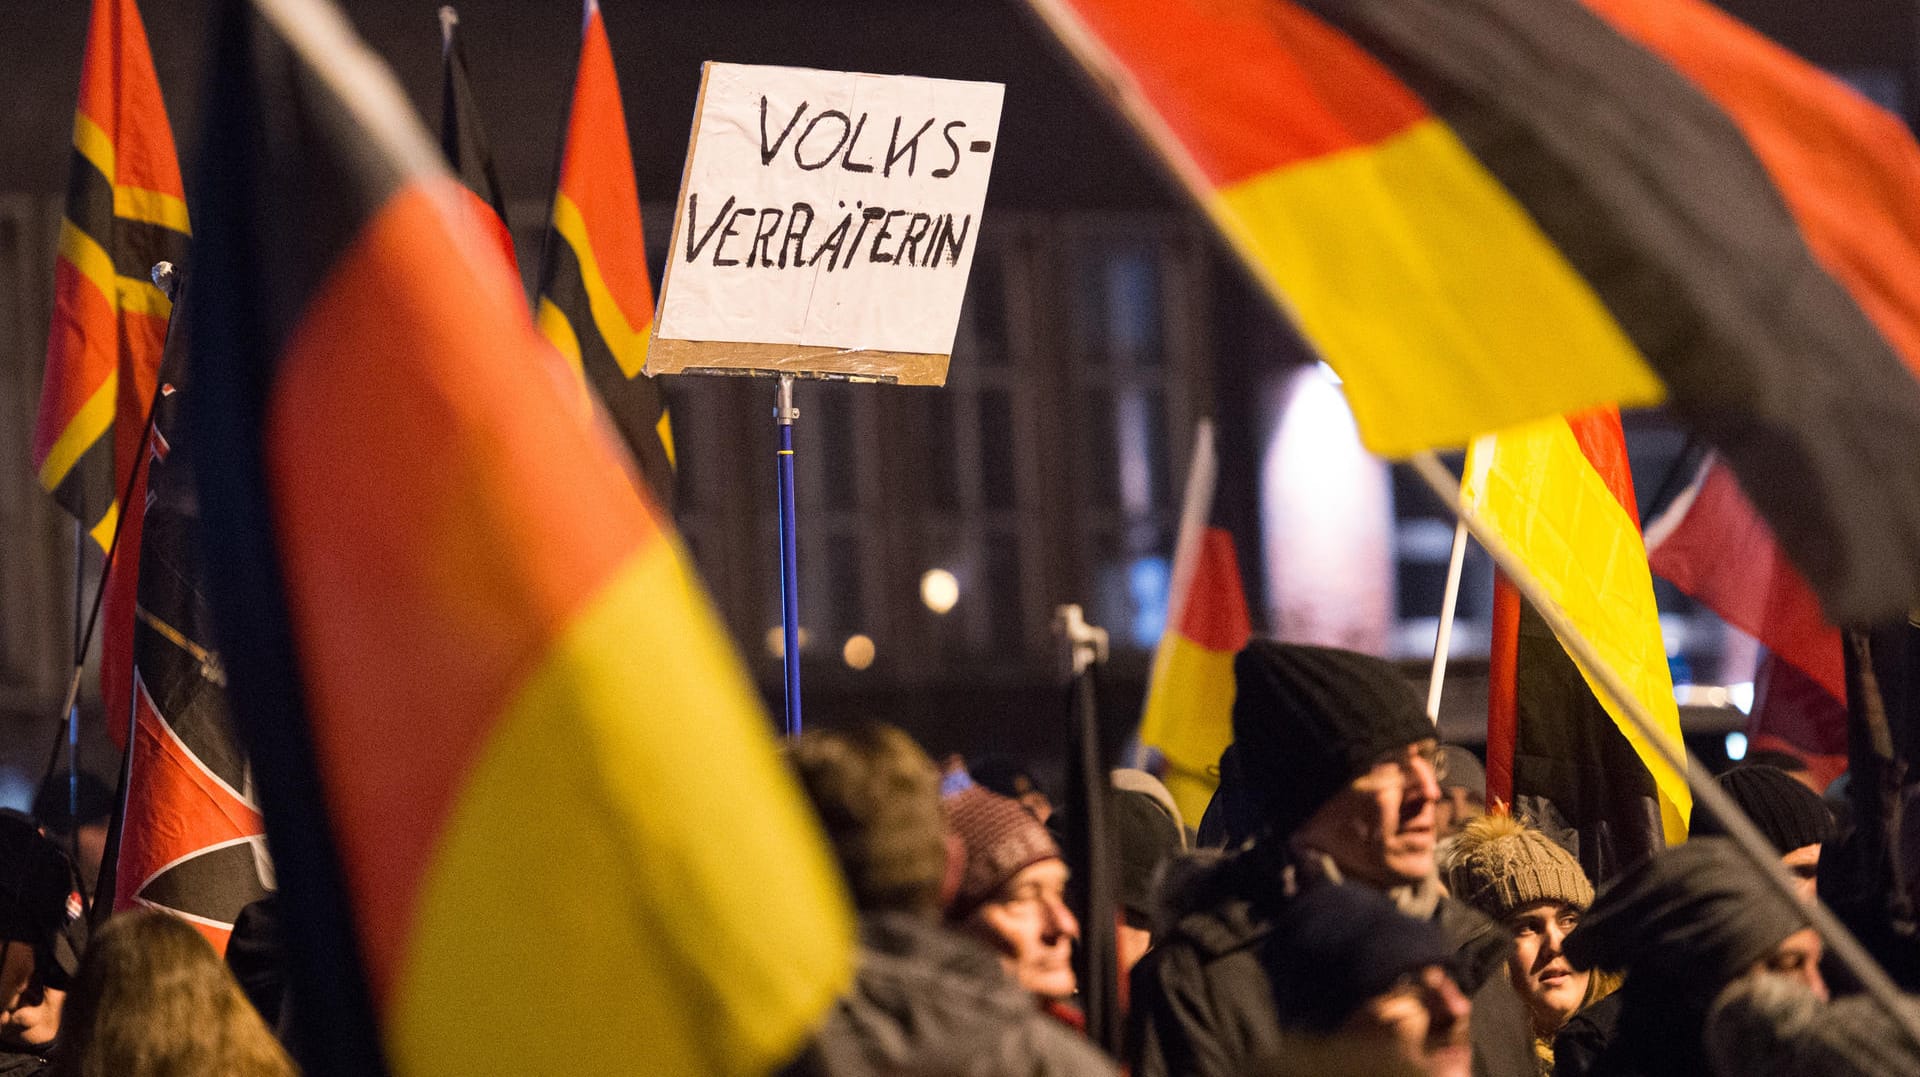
[
  {"x": 1681, "y": 925},
  {"x": 925, "y": 1000},
  {"x": 1770, "y": 1026},
  {"x": 153, "y": 1000},
  {"x": 1330, "y": 778},
  {"x": 35, "y": 882},
  {"x": 1522, "y": 879},
  {"x": 1362, "y": 990},
  {"x": 1793, "y": 818},
  {"x": 84, "y": 832}
]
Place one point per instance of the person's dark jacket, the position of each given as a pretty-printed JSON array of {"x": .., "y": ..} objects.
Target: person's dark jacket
[
  {"x": 1585, "y": 1037},
  {"x": 20, "y": 1062},
  {"x": 930, "y": 1002},
  {"x": 1203, "y": 1002}
]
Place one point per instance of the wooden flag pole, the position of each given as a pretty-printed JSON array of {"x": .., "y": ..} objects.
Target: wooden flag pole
[
  {"x": 1443, "y": 638},
  {"x": 1840, "y": 942}
]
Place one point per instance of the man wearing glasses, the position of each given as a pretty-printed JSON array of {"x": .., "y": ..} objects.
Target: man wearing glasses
[{"x": 1330, "y": 778}]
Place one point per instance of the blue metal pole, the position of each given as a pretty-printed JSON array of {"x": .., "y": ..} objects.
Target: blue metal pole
[{"x": 783, "y": 414}]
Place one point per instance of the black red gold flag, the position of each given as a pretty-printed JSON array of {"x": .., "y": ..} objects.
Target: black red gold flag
[
  {"x": 484, "y": 697},
  {"x": 1488, "y": 212}
]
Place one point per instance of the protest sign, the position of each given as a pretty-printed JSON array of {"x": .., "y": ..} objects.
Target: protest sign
[{"x": 826, "y": 224}]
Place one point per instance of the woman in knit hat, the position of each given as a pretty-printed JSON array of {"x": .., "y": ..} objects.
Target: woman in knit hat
[
  {"x": 1520, "y": 878},
  {"x": 1012, "y": 892}
]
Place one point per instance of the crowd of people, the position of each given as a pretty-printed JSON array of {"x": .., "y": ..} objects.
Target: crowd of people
[{"x": 1349, "y": 904}]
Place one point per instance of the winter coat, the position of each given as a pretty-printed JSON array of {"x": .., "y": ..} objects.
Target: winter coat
[
  {"x": 1203, "y": 1005},
  {"x": 933, "y": 1003},
  {"x": 20, "y": 1062}
]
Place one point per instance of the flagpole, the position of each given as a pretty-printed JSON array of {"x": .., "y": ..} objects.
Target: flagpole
[
  {"x": 784, "y": 413},
  {"x": 1443, "y": 638},
  {"x": 1840, "y": 942},
  {"x": 166, "y": 278}
]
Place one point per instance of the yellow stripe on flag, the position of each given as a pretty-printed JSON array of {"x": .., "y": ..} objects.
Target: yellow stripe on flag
[
  {"x": 1429, "y": 289},
  {"x": 665, "y": 429},
  {"x": 85, "y": 254},
  {"x": 102, "y": 532},
  {"x": 88, "y": 425},
  {"x": 653, "y": 873},
  {"x": 629, "y": 348},
  {"x": 151, "y": 207},
  {"x": 93, "y": 144},
  {"x": 1534, "y": 486},
  {"x": 1189, "y": 718},
  {"x": 142, "y": 297}
]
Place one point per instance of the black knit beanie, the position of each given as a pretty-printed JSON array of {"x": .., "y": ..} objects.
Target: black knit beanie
[
  {"x": 1788, "y": 813},
  {"x": 1337, "y": 945},
  {"x": 1692, "y": 917},
  {"x": 1306, "y": 721}
]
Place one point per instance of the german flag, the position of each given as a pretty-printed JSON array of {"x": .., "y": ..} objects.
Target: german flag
[
  {"x": 463, "y": 139},
  {"x": 594, "y": 301},
  {"x": 1188, "y": 716},
  {"x": 126, "y": 210},
  {"x": 1484, "y": 212},
  {"x": 1559, "y": 493},
  {"x": 519, "y": 788}
]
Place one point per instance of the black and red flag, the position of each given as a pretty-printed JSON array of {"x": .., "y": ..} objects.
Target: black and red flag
[
  {"x": 126, "y": 210},
  {"x": 189, "y": 839},
  {"x": 463, "y": 138}
]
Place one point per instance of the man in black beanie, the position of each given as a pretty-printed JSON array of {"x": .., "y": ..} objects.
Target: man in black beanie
[
  {"x": 1793, "y": 818},
  {"x": 1682, "y": 926},
  {"x": 1330, "y": 778}
]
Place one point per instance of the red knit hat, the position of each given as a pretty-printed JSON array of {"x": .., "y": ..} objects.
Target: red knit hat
[{"x": 1001, "y": 839}]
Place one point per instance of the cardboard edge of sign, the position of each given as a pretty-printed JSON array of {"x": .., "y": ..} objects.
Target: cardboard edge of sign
[{"x": 666, "y": 355}]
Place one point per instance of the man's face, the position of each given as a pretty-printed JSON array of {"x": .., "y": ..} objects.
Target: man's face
[
  {"x": 1797, "y": 958},
  {"x": 1804, "y": 865},
  {"x": 1551, "y": 988},
  {"x": 1029, "y": 923},
  {"x": 1425, "y": 1018},
  {"x": 1457, "y": 806},
  {"x": 1380, "y": 828}
]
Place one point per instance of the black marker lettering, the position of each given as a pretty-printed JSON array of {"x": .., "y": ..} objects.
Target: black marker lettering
[
  {"x": 729, "y": 234},
  {"x": 874, "y": 254},
  {"x": 847, "y": 162},
  {"x": 947, "y": 133},
  {"x": 867, "y": 217},
  {"x": 832, "y": 243},
  {"x": 951, "y": 242},
  {"x": 910, "y": 149},
  {"x": 769, "y": 224},
  {"x": 846, "y": 127},
  {"x": 767, "y": 152},
  {"x": 693, "y": 211},
  {"x": 796, "y": 233},
  {"x": 917, "y": 226}
]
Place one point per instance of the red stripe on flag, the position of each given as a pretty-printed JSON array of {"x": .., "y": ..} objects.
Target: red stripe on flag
[
  {"x": 1215, "y": 616},
  {"x": 418, "y": 538}
]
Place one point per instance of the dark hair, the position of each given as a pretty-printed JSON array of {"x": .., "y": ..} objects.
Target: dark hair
[
  {"x": 153, "y": 1000},
  {"x": 878, "y": 796}
]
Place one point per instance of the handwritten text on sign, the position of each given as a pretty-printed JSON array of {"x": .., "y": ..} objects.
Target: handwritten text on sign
[{"x": 828, "y": 210}]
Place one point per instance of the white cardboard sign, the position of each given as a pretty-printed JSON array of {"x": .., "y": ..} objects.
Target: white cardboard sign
[{"x": 826, "y": 224}]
